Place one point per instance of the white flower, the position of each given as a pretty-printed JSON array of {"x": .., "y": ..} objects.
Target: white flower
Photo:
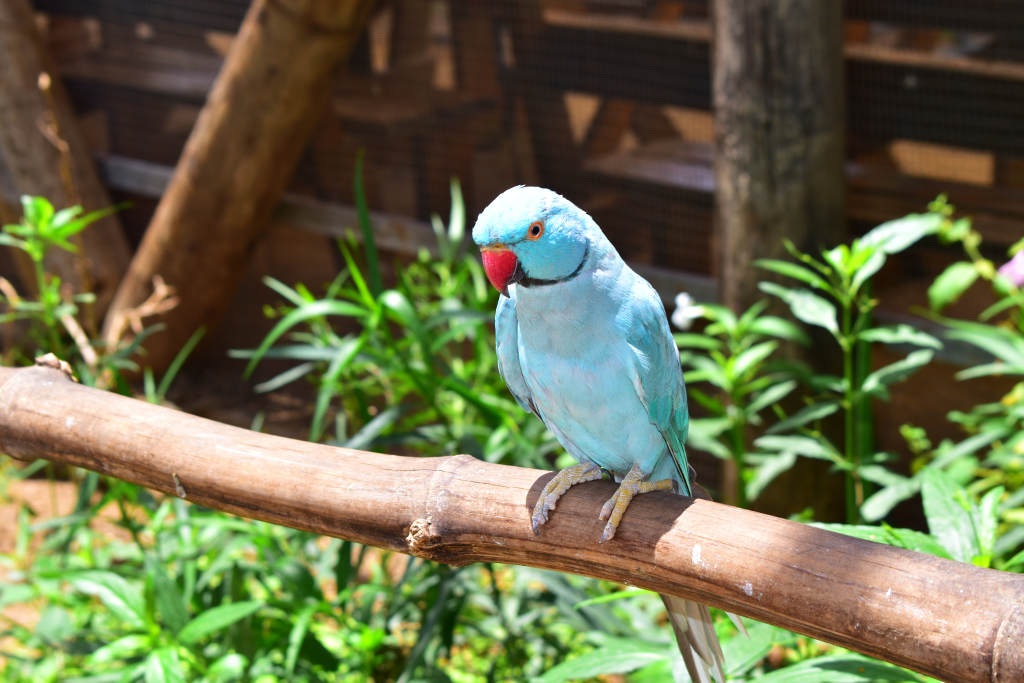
[{"x": 686, "y": 311}]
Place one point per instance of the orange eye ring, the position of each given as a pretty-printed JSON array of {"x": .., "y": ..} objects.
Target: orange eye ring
[{"x": 535, "y": 230}]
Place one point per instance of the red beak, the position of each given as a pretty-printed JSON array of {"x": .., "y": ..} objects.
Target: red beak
[{"x": 502, "y": 267}]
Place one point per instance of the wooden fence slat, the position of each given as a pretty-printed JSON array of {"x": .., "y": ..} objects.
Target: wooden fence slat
[{"x": 946, "y": 619}]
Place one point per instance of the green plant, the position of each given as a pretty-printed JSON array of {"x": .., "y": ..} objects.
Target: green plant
[
  {"x": 837, "y": 298},
  {"x": 51, "y": 313},
  {"x": 733, "y": 354},
  {"x": 410, "y": 367},
  {"x": 991, "y": 456},
  {"x": 961, "y": 527}
]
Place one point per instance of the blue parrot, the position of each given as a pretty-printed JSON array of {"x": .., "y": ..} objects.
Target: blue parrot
[{"x": 584, "y": 344}]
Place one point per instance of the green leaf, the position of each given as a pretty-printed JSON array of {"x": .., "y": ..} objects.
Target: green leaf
[
  {"x": 751, "y": 358},
  {"x": 401, "y": 308},
  {"x": 950, "y": 284},
  {"x": 366, "y": 227},
  {"x": 689, "y": 340},
  {"x": 770, "y": 396},
  {"x": 871, "y": 265},
  {"x": 799, "y": 445},
  {"x": 230, "y": 667},
  {"x": 285, "y": 292},
  {"x": 300, "y": 627},
  {"x": 54, "y": 625},
  {"x": 773, "y": 326},
  {"x": 900, "y": 334},
  {"x": 1015, "y": 561},
  {"x": 704, "y": 432},
  {"x": 795, "y": 271},
  {"x": 845, "y": 668},
  {"x": 986, "y": 524},
  {"x": 374, "y": 428},
  {"x": 164, "y": 666},
  {"x": 880, "y": 503},
  {"x": 997, "y": 369},
  {"x": 900, "y": 538},
  {"x": 170, "y": 604},
  {"x": 705, "y": 369},
  {"x": 877, "y": 381},
  {"x": 949, "y": 514},
  {"x": 315, "y": 309},
  {"x": 216, "y": 619},
  {"x": 283, "y": 379},
  {"x": 179, "y": 360},
  {"x": 946, "y": 454},
  {"x": 743, "y": 653},
  {"x": 811, "y": 413},
  {"x": 1005, "y": 345},
  {"x": 126, "y": 647},
  {"x": 896, "y": 235},
  {"x": 625, "y": 656},
  {"x": 345, "y": 353},
  {"x": 122, "y": 599},
  {"x": 612, "y": 597},
  {"x": 63, "y": 227},
  {"x": 38, "y": 212},
  {"x": 765, "y": 468},
  {"x": 808, "y": 307}
]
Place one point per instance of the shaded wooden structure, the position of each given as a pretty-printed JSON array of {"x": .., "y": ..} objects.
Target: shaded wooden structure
[
  {"x": 602, "y": 100},
  {"x": 896, "y": 604}
]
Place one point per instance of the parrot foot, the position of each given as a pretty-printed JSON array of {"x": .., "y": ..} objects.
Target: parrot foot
[
  {"x": 633, "y": 484},
  {"x": 570, "y": 476}
]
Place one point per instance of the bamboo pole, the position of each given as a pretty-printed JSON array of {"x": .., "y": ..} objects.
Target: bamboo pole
[
  {"x": 946, "y": 619},
  {"x": 271, "y": 91}
]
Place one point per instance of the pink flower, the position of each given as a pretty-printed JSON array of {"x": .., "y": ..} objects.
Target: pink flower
[{"x": 1013, "y": 270}]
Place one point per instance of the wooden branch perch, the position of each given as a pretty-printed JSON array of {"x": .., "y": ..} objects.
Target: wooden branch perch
[{"x": 943, "y": 618}]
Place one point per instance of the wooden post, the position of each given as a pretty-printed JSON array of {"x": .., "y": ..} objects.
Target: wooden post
[
  {"x": 947, "y": 619},
  {"x": 271, "y": 91},
  {"x": 44, "y": 153},
  {"x": 777, "y": 95},
  {"x": 779, "y": 133}
]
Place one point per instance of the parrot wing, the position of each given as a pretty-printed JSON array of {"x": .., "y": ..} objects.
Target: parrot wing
[
  {"x": 506, "y": 328},
  {"x": 657, "y": 374}
]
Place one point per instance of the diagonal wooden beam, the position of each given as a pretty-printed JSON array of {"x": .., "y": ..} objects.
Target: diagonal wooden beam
[
  {"x": 271, "y": 91},
  {"x": 943, "y": 618}
]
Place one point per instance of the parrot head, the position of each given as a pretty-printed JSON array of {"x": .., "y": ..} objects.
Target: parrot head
[{"x": 532, "y": 236}]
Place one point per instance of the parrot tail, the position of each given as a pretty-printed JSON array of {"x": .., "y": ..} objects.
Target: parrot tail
[{"x": 696, "y": 637}]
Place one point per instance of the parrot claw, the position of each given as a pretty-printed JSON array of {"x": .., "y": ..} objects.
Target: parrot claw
[
  {"x": 559, "y": 484},
  {"x": 632, "y": 485},
  {"x": 540, "y": 515}
]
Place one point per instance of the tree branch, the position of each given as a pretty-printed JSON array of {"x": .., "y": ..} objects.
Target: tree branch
[{"x": 943, "y": 618}]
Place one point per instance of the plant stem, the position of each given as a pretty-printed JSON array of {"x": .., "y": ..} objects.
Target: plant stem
[
  {"x": 48, "y": 315},
  {"x": 737, "y": 439},
  {"x": 849, "y": 424}
]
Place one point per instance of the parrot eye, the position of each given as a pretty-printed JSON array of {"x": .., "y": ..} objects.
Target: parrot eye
[{"x": 535, "y": 230}]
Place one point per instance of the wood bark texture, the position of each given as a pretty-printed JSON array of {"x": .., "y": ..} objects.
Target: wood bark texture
[
  {"x": 777, "y": 91},
  {"x": 44, "y": 153},
  {"x": 946, "y": 619},
  {"x": 272, "y": 89}
]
